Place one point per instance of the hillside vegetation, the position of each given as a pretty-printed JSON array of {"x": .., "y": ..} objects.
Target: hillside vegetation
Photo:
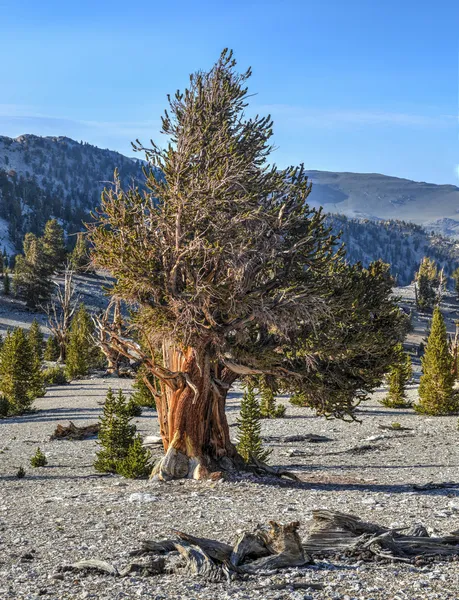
[
  {"x": 398, "y": 243},
  {"x": 43, "y": 177}
]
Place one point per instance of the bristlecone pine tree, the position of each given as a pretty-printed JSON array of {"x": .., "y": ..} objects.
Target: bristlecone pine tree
[
  {"x": 233, "y": 274},
  {"x": 250, "y": 444},
  {"x": 6, "y": 284},
  {"x": 427, "y": 281},
  {"x": 398, "y": 378},
  {"x": 268, "y": 407},
  {"x": 436, "y": 396},
  {"x": 35, "y": 337},
  {"x": 455, "y": 276},
  {"x": 53, "y": 246},
  {"x": 137, "y": 463},
  {"x": 51, "y": 352},
  {"x": 18, "y": 377},
  {"x": 31, "y": 275},
  {"x": 79, "y": 258},
  {"x": 82, "y": 354},
  {"x": 121, "y": 449}
]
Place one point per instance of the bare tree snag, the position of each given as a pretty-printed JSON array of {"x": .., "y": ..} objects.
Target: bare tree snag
[{"x": 61, "y": 310}]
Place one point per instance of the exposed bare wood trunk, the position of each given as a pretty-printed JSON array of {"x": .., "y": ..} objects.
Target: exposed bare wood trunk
[
  {"x": 192, "y": 417},
  {"x": 61, "y": 310},
  {"x": 106, "y": 325}
]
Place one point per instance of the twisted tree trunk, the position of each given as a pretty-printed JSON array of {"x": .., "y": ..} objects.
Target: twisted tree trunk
[{"x": 192, "y": 418}]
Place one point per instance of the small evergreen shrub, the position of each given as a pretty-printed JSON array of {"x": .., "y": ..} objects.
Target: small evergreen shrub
[
  {"x": 20, "y": 377},
  {"x": 121, "y": 449},
  {"x": 137, "y": 463},
  {"x": 436, "y": 394},
  {"x": 4, "y": 407},
  {"x": 250, "y": 444},
  {"x": 142, "y": 395},
  {"x": 54, "y": 376},
  {"x": 399, "y": 376},
  {"x": 268, "y": 408},
  {"x": 38, "y": 459},
  {"x": 6, "y": 284},
  {"x": 51, "y": 352},
  {"x": 82, "y": 353},
  {"x": 20, "y": 473},
  {"x": 133, "y": 409}
]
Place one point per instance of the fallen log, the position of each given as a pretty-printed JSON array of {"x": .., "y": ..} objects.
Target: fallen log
[
  {"x": 278, "y": 546},
  {"x": 333, "y": 532},
  {"x": 73, "y": 432}
]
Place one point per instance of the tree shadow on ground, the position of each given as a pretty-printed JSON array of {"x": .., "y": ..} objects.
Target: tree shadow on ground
[{"x": 357, "y": 486}]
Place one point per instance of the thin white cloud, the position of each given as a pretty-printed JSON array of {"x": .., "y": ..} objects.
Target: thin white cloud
[
  {"x": 324, "y": 118},
  {"x": 23, "y": 114}
]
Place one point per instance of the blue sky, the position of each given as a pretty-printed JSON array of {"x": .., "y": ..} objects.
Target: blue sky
[{"x": 352, "y": 85}]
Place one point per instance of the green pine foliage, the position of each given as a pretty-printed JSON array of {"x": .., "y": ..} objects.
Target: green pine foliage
[
  {"x": 54, "y": 376},
  {"x": 53, "y": 246},
  {"x": 79, "y": 258},
  {"x": 39, "y": 459},
  {"x": 268, "y": 407},
  {"x": 82, "y": 354},
  {"x": 455, "y": 276},
  {"x": 250, "y": 444},
  {"x": 18, "y": 372},
  {"x": 4, "y": 407},
  {"x": 436, "y": 396},
  {"x": 31, "y": 275},
  {"x": 51, "y": 352},
  {"x": 36, "y": 339},
  {"x": 20, "y": 473},
  {"x": 398, "y": 378},
  {"x": 142, "y": 395},
  {"x": 116, "y": 433},
  {"x": 137, "y": 463},
  {"x": 6, "y": 284},
  {"x": 427, "y": 281}
]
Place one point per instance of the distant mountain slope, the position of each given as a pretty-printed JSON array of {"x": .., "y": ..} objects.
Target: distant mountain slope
[
  {"x": 401, "y": 244},
  {"x": 43, "y": 177},
  {"x": 373, "y": 196}
]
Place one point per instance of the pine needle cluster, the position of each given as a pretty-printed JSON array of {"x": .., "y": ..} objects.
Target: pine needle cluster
[
  {"x": 250, "y": 444},
  {"x": 121, "y": 449}
]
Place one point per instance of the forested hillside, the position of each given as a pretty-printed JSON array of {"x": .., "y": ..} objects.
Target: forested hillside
[
  {"x": 43, "y": 177},
  {"x": 398, "y": 243}
]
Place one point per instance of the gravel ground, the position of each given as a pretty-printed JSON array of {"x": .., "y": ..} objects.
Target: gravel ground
[{"x": 65, "y": 512}]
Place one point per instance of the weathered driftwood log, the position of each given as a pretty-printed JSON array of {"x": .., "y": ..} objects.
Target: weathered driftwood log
[
  {"x": 275, "y": 547},
  {"x": 333, "y": 532},
  {"x": 73, "y": 432}
]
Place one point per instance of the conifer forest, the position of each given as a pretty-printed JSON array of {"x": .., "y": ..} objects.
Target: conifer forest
[{"x": 211, "y": 387}]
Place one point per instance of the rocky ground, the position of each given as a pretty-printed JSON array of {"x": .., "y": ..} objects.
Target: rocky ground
[{"x": 66, "y": 512}]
